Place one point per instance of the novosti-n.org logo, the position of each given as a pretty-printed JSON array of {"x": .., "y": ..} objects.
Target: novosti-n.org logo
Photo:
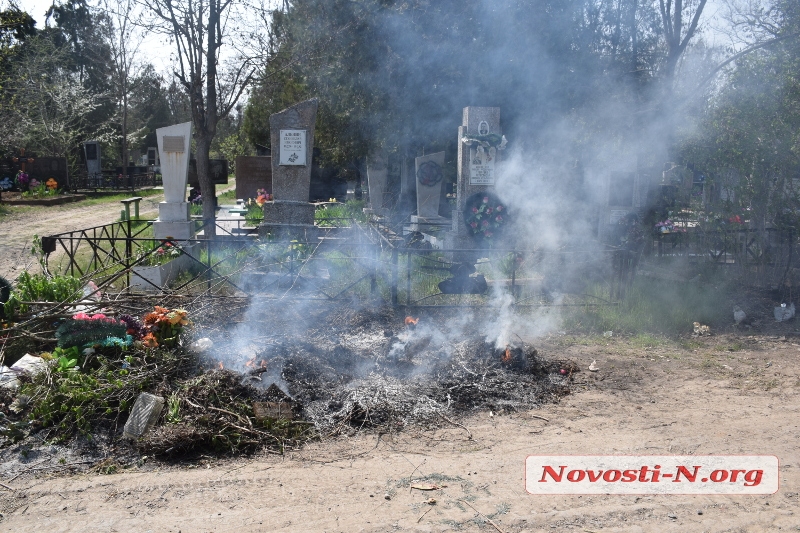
[{"x": 652, "y": 474}]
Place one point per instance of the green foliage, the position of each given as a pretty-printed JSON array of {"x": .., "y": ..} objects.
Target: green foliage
[
  {"x": 340, "y": 215},
  {"x": 155, "y": 253},
  {"x": 654, "y": 307},
  {"x": 74, "y": 401},
  {"x": 254, "y": 215},
  {"x": 40, "y": 288},
  {"x": 232, "y": 147}
]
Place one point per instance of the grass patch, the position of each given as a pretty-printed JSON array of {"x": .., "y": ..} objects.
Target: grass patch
[
  {"x": 4, "y": 211},
  {"x": 734, "y": 346},
  {"x": 228, "y": 197},
  {"x": 647, "y": 340},
  {"x": 655, "y": 308},
  {"x": 339, "y": 214},
  {"x": 145, "y": 193}
]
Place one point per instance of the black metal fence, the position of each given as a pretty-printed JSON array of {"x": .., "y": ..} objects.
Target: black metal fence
[
  {"x": 355, "y": 262},
  {"x": 114, "y": 181}
]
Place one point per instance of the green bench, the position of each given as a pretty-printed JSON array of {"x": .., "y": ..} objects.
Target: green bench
[{"x": 126, "y": 215}]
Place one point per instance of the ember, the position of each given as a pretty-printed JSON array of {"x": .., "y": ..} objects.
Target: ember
[
  {"x": 411, "y": 321},
  {"x": 507, "y": 355},
  {"x": 220, "y": 366}
]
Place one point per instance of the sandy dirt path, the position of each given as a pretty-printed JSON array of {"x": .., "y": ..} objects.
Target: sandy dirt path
[
  {"x": 18, "y": 228},
  {"x": 717, "y": 395}
]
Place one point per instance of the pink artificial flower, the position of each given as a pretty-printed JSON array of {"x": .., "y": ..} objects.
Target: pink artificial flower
[
  {"x": 487, "y": 233},
  {"x": 498, "y": 218},
  {"x": 98, "y": 316},
  {"x": 485, "y": 222},
  {"x": 474, "y": 209},
  {"x": 488, "y": 210},
  {"x": 81, "y": 316},
  {"x": 499, "y": 208},
  {"x": 486, "y": 199},
  {"x": 473, "y": 225}
]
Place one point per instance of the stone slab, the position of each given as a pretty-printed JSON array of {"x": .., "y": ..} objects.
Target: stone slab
[
  {"x": 175, "y": 230},
  {"x": 475, "y": 121},
  {"x": 217, "y": 167},
  {"x": 253, "y": 173},
  {"x": 293, "y": 182},
  {"x": 173, "y": 212},
  {"x": 377, "y": 177},
  {"x": 429, "y": 175},
  {"x": 93, "y": 156},
  {"x": 44, "y": 168},
  {"x": 289, "y": 213}
]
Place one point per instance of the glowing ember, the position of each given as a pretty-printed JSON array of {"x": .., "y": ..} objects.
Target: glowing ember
[
  {"x": 263, "y": 364},
  {"x": 507, "y": 355},
  {"x": 251, "y": 363},
  {"x": 221, "y": 366},
  {"x": 411, "y": 321}
]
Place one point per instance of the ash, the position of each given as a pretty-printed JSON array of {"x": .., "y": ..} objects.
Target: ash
[{"x": 370, "y": 369}]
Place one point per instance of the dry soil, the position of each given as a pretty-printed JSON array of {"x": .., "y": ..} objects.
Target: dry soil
[{"x": 726, "y": 394}]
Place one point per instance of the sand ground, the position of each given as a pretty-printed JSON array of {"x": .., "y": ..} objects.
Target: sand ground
[{"x": 728, "y": 394}]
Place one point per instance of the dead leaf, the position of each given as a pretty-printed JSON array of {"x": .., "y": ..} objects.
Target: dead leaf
[{"x": 425, "y": 486}]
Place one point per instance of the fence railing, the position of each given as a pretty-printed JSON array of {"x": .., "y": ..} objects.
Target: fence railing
[
  {"x": 760, "y": 258},
  {"x": 100, "y": 180},
  {"x": 361, "y": 261}
]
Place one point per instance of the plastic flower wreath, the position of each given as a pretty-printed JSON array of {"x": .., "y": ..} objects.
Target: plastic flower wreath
[
  {"x": 485, "y": 215},
  {"x": 262, "y": 197},
  {"x": 163, "y": 326},
  {"x": 23, "y": 181},
  {"x": 52, "y": 184}
]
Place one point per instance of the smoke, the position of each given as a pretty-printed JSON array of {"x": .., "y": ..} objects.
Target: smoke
[{"x": 577, "y": 105}]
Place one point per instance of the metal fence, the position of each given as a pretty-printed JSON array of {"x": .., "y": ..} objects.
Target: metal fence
[
  {"x": 359, "y": 261},
  {"x": 113, "y": 181},
  {"x": 757, "y": 258}
]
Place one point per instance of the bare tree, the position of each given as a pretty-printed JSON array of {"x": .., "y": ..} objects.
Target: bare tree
[
  {"x": 676, "y": 34},
  {"x": 124, "y": 39},
  {"x": 198, "y": 29}
]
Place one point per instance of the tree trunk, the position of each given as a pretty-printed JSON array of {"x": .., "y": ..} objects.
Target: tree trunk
[{"x": 203, "y": 145}]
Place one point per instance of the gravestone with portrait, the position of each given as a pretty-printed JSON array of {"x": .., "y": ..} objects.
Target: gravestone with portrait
[
  {"x": 253, "y": 173},
  {"x": 429, "y": 171},
  {"x": 46, "y": 168},
  {"x": 218, "y": 168},
  {"x": 480, "y": 215},
  {"x": 290, "y": 215},
  {"x": 174, "y": 144}
]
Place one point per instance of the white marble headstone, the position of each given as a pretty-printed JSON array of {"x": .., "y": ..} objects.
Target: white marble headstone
[{"x": 174, "y": 147}]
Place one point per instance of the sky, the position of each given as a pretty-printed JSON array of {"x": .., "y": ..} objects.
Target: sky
[{"x": 154, "y": 50}]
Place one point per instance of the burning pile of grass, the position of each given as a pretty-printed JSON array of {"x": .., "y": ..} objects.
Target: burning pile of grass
[
  {"x": 473, "y": 377},
  {"x": 372, "y": 369}
]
